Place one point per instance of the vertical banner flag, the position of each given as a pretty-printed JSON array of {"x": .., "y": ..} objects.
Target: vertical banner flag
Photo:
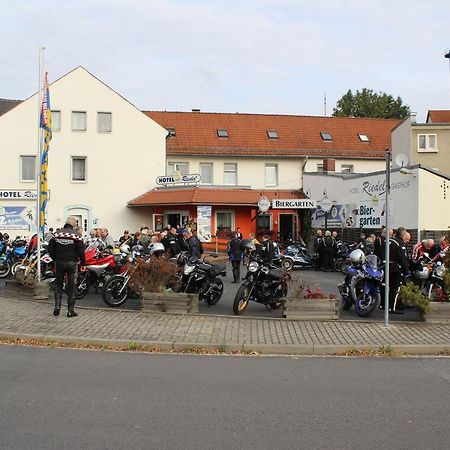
[
  {"x": 204, "y": 223},
  {"x": 46, "y": 125}
]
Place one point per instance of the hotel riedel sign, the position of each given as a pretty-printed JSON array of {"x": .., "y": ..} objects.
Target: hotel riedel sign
[
  {"x": 21, "y": 194},
  {"x": 177, "y": 177},
  {"x": 294, "y": 204}
]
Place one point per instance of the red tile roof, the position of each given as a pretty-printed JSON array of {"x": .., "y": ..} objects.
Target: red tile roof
[
  {"x": 196, "y": 134},
  {"x": 438, "y": 116},
  {"x": 197, "y": 195}
]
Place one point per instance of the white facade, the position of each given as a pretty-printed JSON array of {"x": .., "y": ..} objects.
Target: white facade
[{"x": 119, "y": 164}]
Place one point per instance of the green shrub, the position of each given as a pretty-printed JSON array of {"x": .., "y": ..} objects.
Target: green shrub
[{"x": 411, "y": 294}]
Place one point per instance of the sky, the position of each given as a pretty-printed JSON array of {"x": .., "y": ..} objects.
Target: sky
[{"x": 255, "y": 56}]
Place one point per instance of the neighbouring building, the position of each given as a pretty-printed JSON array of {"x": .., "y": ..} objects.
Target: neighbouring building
[
  {"x": 230, "y": 161},
  {"x": 104, "y": 151}
]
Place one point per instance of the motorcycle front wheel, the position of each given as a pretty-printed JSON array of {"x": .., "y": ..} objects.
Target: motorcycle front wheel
[
  {"x": 287, "y": 264},
  {"x": 216, "y": 293},
  {"x": 5, "y": 269},
  {"x": 241, "y": 299},
  {"x": 365, "y": 304},
  {"x": 112, "y": 292}
]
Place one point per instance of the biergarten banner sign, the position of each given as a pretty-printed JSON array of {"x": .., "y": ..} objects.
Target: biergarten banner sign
[{"x": 294, "y": 204}]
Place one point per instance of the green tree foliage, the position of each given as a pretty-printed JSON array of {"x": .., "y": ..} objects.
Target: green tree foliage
[{"x": 367, "y": 103}]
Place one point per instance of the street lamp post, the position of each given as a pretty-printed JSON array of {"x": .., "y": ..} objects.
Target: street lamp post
[{"x": 388, "y": 226}]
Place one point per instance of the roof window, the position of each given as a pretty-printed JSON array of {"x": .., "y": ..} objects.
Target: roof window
[
  {"x": 222, "y": 133},
  {"x": 363, "y": 137},
  {"x": 272, "y": 134},
  {"x": 171, "y": 132},
  {"x": 326, "y": 136}
]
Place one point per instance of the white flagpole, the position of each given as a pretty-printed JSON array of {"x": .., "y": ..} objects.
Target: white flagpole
[{"x": 40, "y": 142}]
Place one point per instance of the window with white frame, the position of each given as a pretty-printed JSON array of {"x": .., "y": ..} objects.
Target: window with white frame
[
  {"x": 206, "y": 173},
  {"x": 182, "y": 167},
  {"x": 224, "y": 223},
  {"x": 427, "y": 143},
  {"x": 347, "y": 168},
  {"x": 230, "y": 174},
  {"x": 320, "y": 167},
  {"x": 78, "y": 168},
  {"x": 78, "y": 120},
  {"x": 56, "y": 120},
  {"x": 28, "y": 168},
  {"x": 104, "y": 122},
  {"x": 271, "y": 174},
  {"x": 264, "y": 223}
]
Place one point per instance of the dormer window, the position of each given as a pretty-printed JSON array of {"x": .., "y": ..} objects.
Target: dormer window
[
  {"x": 272, "y": 134},
  {"x": 222, "y": 133},
  {"x": 171, "y": 132},
  {"x": 326, "y": 136},
  {"x": 363, "y": 137}
]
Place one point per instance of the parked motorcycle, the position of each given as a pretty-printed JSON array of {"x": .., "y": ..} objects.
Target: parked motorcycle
[
  {"x": 362, "y": 286},
  {"x": 11, "y": 256},
  {"x": 201, "y": 277},
  {"x": 296, "y": 255},
  {"x": 264, "y": 283},
  {"x": 436, "y": 283}
]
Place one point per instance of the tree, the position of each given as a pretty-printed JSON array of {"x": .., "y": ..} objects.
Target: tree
[{"x": 367, "y": 103}]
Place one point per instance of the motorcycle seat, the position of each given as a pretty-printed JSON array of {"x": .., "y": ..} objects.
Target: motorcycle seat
[{"x": 217, "y": 269}]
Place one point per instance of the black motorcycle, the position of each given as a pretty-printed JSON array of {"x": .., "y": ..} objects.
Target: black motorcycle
[
  {"x": 264, "y": 283},
  {"x": 202, "y": 278}
]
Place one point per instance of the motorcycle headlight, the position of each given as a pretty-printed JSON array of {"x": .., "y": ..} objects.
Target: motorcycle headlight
[
  {"x": 252, "y": 266},
  {"x": 188, "y": 269},
  {"x": 440, "y": 271}
]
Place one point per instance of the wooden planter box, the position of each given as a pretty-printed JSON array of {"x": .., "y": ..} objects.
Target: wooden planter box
[
  {"x": 169, "y": 302},
  {"x": 313, "y": 309},
  {"x": 18, "y": 291},
  {"x": 440, "y": 312}
]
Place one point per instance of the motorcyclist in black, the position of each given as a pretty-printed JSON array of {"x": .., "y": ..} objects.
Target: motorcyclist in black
[
  {"x": 66, "y": 248},
  {"x": 171, "y": 243},
  {"x": 267, "y": 249},
  {"x": 329, "y": 247},
  {"x": 234, "y": 250},
  {"x": 398, "y": 267},
  {"x": 318, "y": 250}
]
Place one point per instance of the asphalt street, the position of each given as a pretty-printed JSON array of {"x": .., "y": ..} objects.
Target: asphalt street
[{"x": 74, "y": 399}]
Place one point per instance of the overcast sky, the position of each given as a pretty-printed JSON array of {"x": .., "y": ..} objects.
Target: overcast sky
[{"x": 261, "y": 56}]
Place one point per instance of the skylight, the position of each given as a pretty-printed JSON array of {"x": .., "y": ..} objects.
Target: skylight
[
  {"x": 172, "y": 132},
  {"x": 222, "y": 133},
  {"x": 272, "y": 134},
  {"x": 326, "y": 136},
  {"x": 363, "y": 137}
]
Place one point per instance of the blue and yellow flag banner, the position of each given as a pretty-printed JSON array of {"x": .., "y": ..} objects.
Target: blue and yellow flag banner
[{"x": 46, "y": 125}]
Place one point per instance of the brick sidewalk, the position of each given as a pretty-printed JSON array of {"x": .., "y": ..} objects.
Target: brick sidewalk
[{"x": 176, "y": 332}]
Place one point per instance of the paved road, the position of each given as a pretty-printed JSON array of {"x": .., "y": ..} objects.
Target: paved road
[{"x": 71, "y": 399}]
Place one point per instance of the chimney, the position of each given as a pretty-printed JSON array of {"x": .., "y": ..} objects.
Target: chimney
[
  {"x": 195, "y": 110},
  {"x": 329, "y": 165}
]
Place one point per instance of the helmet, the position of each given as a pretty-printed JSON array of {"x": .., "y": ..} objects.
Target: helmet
[
  {"x": 156, "y": 248},
  {"x": 422, "y": 274},
  {"x": 357, "y": 257},
  {"x": 125, "y": 248}
]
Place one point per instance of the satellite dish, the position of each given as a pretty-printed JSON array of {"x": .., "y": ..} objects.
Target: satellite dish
[{"x": 402, "y": 160}]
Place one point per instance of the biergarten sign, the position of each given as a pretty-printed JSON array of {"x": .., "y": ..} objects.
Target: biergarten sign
[
  {"x": 178, "y": 178},
  {"x": 294, "y": 204},
  {"x": 21, "y": 194}
]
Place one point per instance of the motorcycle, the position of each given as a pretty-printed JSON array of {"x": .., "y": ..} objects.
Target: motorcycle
[
  {"x": 436, "y": 290},
  {"x": 296, "y": 255},
  {"x": 202, "y": 278},
  {"x": 11, "y": 257},
  {"x": 362, "y": 288},
  {"x": 264, "y": 283}
]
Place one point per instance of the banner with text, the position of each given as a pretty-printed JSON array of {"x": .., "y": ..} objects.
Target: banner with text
[
  {"x": 17, "y": 218},
  {"x": 204, "y": 223}
]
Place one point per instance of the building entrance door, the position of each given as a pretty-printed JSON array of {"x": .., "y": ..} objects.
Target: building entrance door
[
  {"x": 286, "y": 227},
  {"x": 82, "y": 217}
]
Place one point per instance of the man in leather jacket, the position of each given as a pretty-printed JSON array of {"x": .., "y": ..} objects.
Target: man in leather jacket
[
  {"x": 234, "y": 250},
  {"x": 171, "y": 244},
  {"x": 267, "y": 250},
  {"x": 398, "y": 267},
  {"x": 66, "y": 248}
]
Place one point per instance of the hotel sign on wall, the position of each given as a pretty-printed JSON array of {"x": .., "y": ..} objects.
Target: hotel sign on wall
[
  {"x": 294, "y": 204},
  {"x": 21, "y": 194},
  {"x": 178, "y": 178}
]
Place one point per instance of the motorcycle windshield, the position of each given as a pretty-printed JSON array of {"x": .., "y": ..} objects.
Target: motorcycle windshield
[{"x": 372, "y": 261}]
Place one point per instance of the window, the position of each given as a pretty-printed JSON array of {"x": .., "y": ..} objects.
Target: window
[
  {"x": 230, "y": 174},
  {"x": 171, "y": 132},
  {"x": 78, "y": 168},
  {"x": 206, "y": 173},
  {"x": 271, "y": 175},
  {"x": 104, "y": 122},
  {"x": 347, "y": 168},
  {"x": 28, "y": 168},
  {"x": 264, "y": 223},
  {"x": 180, "y": 166},
  {"x": 222, "y": 133},
  {"x": 78, "y": 121},
  {"x": 320, "y": 167},
  {"x": 363, "y": 137},
  {"x": 56, "y": 120},
  {"x": 272, "y": 134},
  {"x": 427, "y": 143},
  {"x": 326, "y": 136},
  {"x": 224, "y": 223}
]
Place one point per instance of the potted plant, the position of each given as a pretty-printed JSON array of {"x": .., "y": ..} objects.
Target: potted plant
[
  {"x": 155, "y": 279},
  {"x": 24, "y": 286},
  {"x": 411, "y": 295},
  {"x": 304, "y": 303}
]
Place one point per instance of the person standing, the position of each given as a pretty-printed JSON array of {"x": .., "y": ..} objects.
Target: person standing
[
  {"x": 234, "y": 250},
  {"x": 170, "y": 243},
  {"x": 329, "y": 245},
  {"x": 107, "y": 240},
  {"x": 66, "y": 249},
  {"x": 398, "y": 267},
  {"x": 239, "y": 233},
  {"x": 195, "y": 245},
  {"x": 267, "y": 249},
  {"x": 318, "y": 250}
]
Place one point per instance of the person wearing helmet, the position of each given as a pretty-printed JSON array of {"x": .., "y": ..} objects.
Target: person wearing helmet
[
  {"x": 398, "y": 267},
  {"x": 357, "y": 259}
]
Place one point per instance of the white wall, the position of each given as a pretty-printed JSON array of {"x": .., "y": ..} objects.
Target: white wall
[
  {"x": 401, "y": 140},
  {"x": 120, "y": 165},
  {"x": 360, "y": 165}
]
